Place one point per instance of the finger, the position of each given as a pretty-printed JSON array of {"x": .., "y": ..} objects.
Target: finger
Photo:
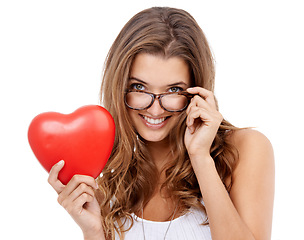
[
  {"x": 82, "y": 188},
  {"x": 53, "y": 177},
  {"x": 78, "y": 204},
  {"x": 75, "y": 193},
  {"x": 198, "y": 101},
  {"x": 196, "y": 117},
  {"x": 65, "y": 200},
  {"x": 196, "y": 113},
  {"x": 76, "y": 181},
  {"x": 206, "y": 94},
  {"x": 201, "y": 115}
]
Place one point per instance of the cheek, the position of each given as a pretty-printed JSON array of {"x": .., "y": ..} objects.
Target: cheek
[
  {"x": 133, "y": 116},
  {"x": 178, "y": 119},
  {"x": 173, "y": 121}
]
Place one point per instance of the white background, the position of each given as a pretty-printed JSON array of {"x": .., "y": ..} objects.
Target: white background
[{"x": 51, "y": 59}]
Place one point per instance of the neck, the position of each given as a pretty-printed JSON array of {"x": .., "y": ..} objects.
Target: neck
[{"x": 160, "y": 152}]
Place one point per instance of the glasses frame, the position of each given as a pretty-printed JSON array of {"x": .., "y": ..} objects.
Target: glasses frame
[{"x": 159, "y": 97}]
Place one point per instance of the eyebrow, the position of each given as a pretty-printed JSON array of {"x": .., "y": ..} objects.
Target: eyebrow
[
  {"x": 133, "y": 78},
  {"x": 170, "y": 85}
]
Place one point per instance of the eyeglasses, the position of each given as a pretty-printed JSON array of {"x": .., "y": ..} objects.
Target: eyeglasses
[{"x": 171, "y": 101}]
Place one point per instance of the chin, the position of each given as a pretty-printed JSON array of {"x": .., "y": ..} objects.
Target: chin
[
  {"x": 153, "y": 137},
  {"x": 153, "y": 130}
]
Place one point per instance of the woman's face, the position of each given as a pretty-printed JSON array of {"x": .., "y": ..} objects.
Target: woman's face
[{"x": 157, "y": 75}]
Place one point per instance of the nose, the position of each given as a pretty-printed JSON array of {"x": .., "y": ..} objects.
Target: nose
[{"x": 155, "y": 109}]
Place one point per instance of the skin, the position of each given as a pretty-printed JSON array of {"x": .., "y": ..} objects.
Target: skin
[
  {"x": 245, "y": 213},
  {"x": 78, "y": 199},
  {"x": 157, "y": 75}
]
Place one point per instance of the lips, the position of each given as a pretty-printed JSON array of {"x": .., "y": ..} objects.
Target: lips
[{"x": 154, "y": 122}]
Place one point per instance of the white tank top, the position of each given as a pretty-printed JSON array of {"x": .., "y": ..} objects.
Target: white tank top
[{"x": 186, "y": 227}]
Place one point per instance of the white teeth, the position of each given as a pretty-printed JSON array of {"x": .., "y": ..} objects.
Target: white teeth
[{"x": 154, "y": 121}]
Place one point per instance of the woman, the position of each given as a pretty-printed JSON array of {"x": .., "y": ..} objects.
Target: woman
[{"x": 178, "y": 170}]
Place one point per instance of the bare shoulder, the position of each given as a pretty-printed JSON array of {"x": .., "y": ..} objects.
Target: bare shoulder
[
  {"x": 250, "y": 138},
  {"x": 256, "y": 158},
  {"x": 255, "y": 165},
  {"x": 252, "y": 190},
  {"x": 252, "y": 145}
]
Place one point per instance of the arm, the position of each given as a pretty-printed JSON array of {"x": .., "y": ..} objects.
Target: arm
[
  {"x": 247, "y": 212},
  {"x": 78, "y": 198}
]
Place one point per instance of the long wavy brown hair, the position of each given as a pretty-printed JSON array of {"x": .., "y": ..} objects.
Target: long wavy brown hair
[{"x": 130, "y": 177}]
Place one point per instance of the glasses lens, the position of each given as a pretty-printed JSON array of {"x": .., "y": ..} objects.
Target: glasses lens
[
  {"x": 138, "y": 100},
  {"x": 174, "y": 102}
]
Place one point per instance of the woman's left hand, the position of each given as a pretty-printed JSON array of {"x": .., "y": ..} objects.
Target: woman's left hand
[{"x": 203, "y": 121}]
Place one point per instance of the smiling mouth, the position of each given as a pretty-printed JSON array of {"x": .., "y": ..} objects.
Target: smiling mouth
[{"x": 154, "y": 121}]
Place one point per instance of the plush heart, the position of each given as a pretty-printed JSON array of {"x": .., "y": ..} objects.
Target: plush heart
[{"x": 83, "y": 139}]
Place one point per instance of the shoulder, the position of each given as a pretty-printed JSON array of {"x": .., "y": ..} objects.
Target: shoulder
[
  {"x": 249, "y": 137},
  {"x": 249, "y": 142},
  {"x": 256, "y": 157},
  {"x": 253, "y": 180}
]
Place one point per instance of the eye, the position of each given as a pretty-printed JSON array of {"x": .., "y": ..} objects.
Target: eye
[
  {"x": 137, "y": 86},
  {"x": 175, "y": 89}
]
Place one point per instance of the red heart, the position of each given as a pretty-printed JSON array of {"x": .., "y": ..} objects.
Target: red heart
[{"x": 83, "y": 139}]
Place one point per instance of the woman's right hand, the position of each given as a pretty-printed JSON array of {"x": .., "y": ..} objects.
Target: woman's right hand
[{"x": 78, "y": 198}]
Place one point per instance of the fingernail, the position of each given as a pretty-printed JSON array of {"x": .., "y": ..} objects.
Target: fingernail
[
  {"x": 96, "y": 185},
  {"x": 60, "y": 162},
  {"x": 192, "y": 129}
]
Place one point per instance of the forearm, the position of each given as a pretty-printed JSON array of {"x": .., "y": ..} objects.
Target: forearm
[
  {"x": 225, "y": 222},
  {"x": 98, "y": 235}
]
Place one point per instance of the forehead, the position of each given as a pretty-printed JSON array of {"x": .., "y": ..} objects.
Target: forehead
[{"x": 158, "y": 71}]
